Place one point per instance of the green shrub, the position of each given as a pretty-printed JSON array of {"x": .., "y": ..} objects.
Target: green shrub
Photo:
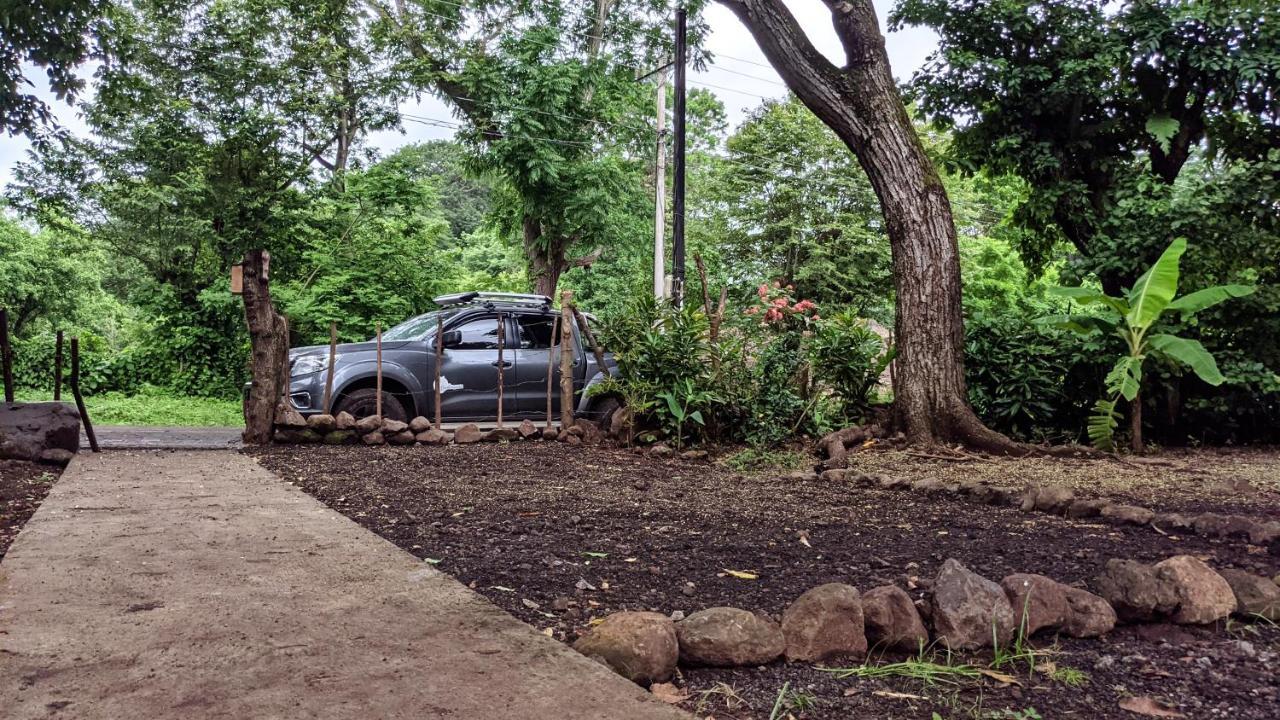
[{"x": 850, "y": 357}]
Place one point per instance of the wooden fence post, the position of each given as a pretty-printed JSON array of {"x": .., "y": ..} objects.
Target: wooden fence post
[
  {"x": 75, "y": 392},
  {"x": 269, "y": 335},
  {"x": 551, "y": 356},
  {"x": 377, "y": 403},
  {"x": 566, "y": 360},
  {"x": 6, "y": 358},
  {"x": 502, "y": 332},
  {"x": 585, "y": 329},
  {"x": 439, "y": 362},
  {"x": 328, "y": 378},
  {"x": 57, "y": 368}
]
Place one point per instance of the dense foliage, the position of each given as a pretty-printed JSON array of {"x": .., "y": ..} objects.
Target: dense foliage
[{"x": 1076, "y": 139}]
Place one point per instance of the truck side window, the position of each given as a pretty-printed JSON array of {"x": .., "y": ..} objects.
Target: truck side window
[
  {"x": 479, "y": 334},
  {"x": 535, "y": 331}
]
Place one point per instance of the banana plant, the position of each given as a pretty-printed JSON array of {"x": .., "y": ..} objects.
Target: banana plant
[{"x": 1133, "y": 318}]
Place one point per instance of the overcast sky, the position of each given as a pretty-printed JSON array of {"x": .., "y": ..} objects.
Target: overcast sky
[{"x": 736, "y": 57}]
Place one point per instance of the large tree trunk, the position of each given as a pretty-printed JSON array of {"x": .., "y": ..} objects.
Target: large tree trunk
[
  {"x": 860, "y": 102},
  {"x": 545, "y": 256}
]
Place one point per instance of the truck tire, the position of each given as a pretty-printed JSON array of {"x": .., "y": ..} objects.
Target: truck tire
[{"x": 362, "y": 403}]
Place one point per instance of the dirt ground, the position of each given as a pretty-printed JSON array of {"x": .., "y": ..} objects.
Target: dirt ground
[
  {"x": 558, "y": 536},
  {"x": 23, "y": 486}
]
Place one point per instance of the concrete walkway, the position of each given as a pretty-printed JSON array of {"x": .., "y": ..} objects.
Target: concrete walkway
[
  {"x": 136, "y": 437},
  {"x": 198, "y": 585}
]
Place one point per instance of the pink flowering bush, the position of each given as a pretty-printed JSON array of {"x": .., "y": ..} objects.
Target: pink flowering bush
[{"x": 776, "y": 308}]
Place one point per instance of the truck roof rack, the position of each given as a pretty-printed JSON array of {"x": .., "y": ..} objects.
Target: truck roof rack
[{"x": 491, "y": 298}]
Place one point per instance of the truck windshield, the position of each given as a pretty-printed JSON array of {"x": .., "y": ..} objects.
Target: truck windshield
[{"x": 416, "y": 328}]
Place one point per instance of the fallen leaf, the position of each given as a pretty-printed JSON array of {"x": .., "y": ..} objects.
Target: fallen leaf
[
  {"x": 596, "y": 554},
  {"x": 1048, "y": 667},
  {"x": 668, "y": 693},
  {"x": 1000, "y": 677},
  {"x": 897, "y": 695},
  {"x": 1144, "y": 705},
  {"x": 805, "y": 541},
  {"x": 549, "y": 632},
  {"x": 432, "y": 561},
  {"x": 530, "y": 604},
  {"x": 630, "y": 560},
  {"x": 503, "y": 589},
  {"x": 741, "y": 574}
]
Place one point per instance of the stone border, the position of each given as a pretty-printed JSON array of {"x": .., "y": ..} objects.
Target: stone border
[
  {"x": 962, "y": 611},
  {"x": 1062, "y": 502},
  {"x": 344, "y": 429}
]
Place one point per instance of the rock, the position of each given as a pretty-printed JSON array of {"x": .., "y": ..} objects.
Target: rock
[
  {"x": 1127, "y": 514},
  {"x": 322, "y": 423},
  {"x": 502, "y": 434},
  {"x": 1085, "y": 508},
  {"x": 550, "y": 433},
  {"x": 640, "y": 646},
  {"x": 29, "y": 429},
  {"x": 56, "y": 456},
  {"x": 1255, "y": 595},
  {"x": 1203, "y": 595},
  {"x": 824, "y": 622},
  {"x": 590, "y": 434},
  {"x": 729, "y": 637},
  {"x": 1215, "y": 525},
  {"x": 366, "y": 425},
  {"x": 1173, "y": 521},
  {"x": 527, "y": 429},
  {"x": 573, "y": 440},
  {"x": 338, "y": 437},
  {"x": 287, "y": 416},
  {"x": 695, "y": 455},
  {"x": 433, "y": 437},
  {"x": 419, "y": 425},
  {"x": 1047, "y": 498},
  {"x": 575, "y": 429},
  {"x": 970, "y": 610},
  {"x": 1265, "y": 533},
  {"x": 620, "y": 423},
  {"x": 404, "y": 437},
  {"x": 373, "y": 438},
  {"x": 345, "y": 421},
  {"x": 1135, "y": 591},
  {"x": 467, "y": 434},
  {"x": 391, "y": 427},
  {"x": 661, "y": 450},
  {"x": 1038, "y": 602},
  {"x": 835, "y": 475},
  {"x": 891, "y": 619},
  {"x": 1087, "y": 614}
]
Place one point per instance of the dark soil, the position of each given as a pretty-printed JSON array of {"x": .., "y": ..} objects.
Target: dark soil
[
  {"x": 536, "y": 527},
  {"x": 23, "y": 486}
]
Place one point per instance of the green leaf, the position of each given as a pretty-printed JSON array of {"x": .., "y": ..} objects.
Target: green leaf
[
  {"x": 1208, "y": 297},
  {"x": 1190, "y": 353},
  {"x": 1089, "y": 296},
  {"x": 1102, "y": 424},
  {"x": 1082, "y": 324},
  {"x": 1125, "y": 378},
  {"x": 1153, "y": 291},
  {"x": 676, "y": 411},
  {"x": 1162, "y": 128},
  {"x": 696, "y": 416}
]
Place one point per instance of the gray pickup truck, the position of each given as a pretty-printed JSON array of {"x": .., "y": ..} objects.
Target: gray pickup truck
[{"x": 469, "y": 367}]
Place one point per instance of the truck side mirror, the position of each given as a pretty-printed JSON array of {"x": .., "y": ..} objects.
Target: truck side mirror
[{"x": 452, "y": 338}]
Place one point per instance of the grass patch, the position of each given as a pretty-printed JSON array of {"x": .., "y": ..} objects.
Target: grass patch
[
  {"x": 926, "y": 671},
  {"x": 153, "y": 408}
]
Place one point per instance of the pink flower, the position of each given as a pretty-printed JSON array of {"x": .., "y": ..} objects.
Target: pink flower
[
  {"x": 763, "y": 290},
  {"x": 816, "y": 316},
  {"x": 791, "y": 287},
  {"x": 777, "y": 283},
  {"x": 780, "y": 302},
  {"x": 773, "y": 315},
  {"x": 753, "y": 310}
]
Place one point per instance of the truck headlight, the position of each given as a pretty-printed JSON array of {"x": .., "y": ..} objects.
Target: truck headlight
[{"x": 306, "y": 365}]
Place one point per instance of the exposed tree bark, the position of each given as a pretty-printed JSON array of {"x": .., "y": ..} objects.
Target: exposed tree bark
[
  {"x": 861, "y": 103},
  {"x": 1135, "y": 424},
  {"x": 269, "y": 337}
]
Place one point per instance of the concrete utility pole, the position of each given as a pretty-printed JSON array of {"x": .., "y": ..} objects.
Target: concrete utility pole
[{"x": 660, "y": 196}]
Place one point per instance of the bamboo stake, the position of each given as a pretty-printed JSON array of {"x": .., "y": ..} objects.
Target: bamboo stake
[
  {"x": 333, "y": 353},
  {"x": 6, "y": 359},
  {"x": 75, "y": 391},
  {"x": 585, "y": 329},
  {"x": 57, "y": 368},
  {"x": 502, "y": 324},
  {"x": 551, "y": 356},
  {"x": 566, "y": 360},
  {"x": 439, "y": 362},
  {"x": 378, "y": 400}
]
